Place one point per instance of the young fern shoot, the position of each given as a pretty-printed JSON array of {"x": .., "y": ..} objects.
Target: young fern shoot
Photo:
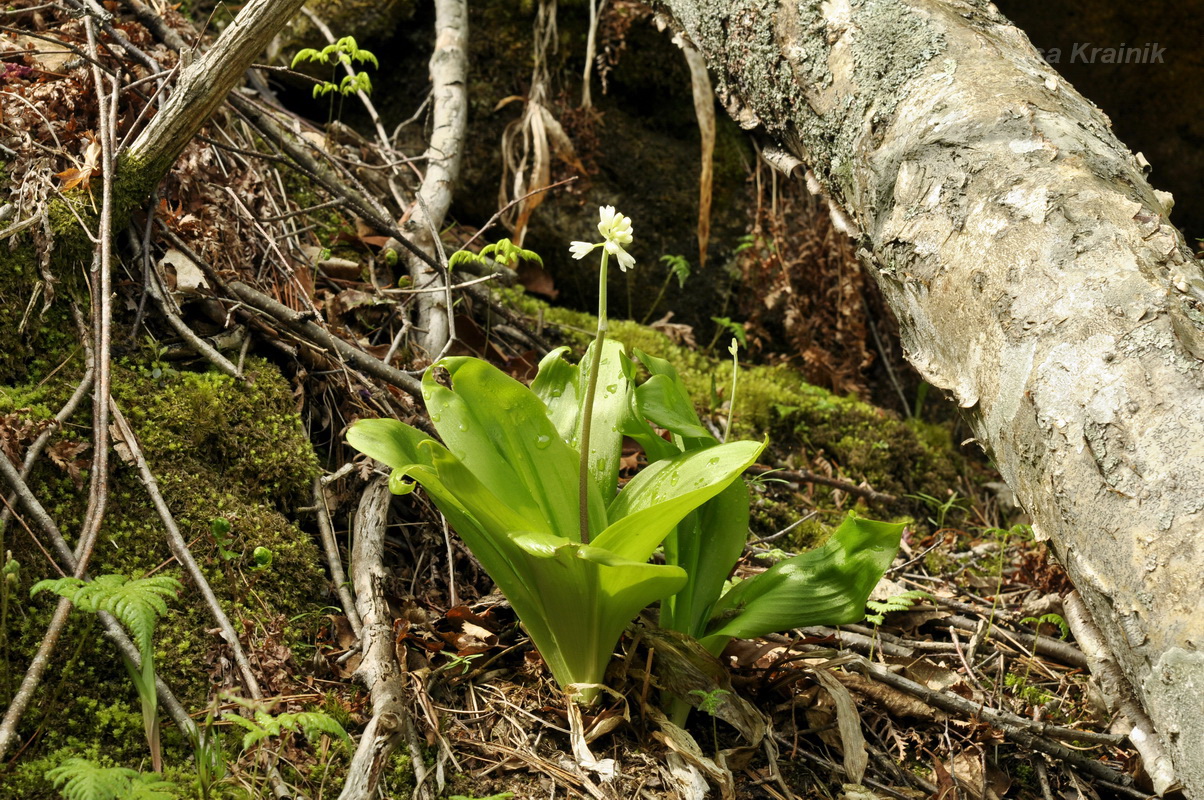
[{"x": 138, "y": 604}]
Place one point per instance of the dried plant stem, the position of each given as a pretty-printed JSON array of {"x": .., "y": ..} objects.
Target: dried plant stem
[{"x": 331, "y": 546}]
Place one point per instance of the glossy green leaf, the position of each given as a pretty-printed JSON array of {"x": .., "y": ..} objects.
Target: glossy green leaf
[
  {"x": 825, "y": 586},
  {"x": 501, "y": 432},
  {"x": 707, "y": 544},
  {"x": 664, "y": 400},
  {"x": 562, "y": 388},
  {"x": 654, "y": 501}
]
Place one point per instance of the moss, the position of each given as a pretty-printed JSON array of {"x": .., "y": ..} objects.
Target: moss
[
  {"x": 865, "y": 442},
  {"x": 218, "y": 448},
  {"x": 33, "y": 340}
]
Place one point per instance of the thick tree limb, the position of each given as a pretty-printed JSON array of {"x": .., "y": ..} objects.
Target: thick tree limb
[
  {"x": 449, "y": 76},
  {"x": 1035, "y": 278},
  {"x": 204, "y": 84}
]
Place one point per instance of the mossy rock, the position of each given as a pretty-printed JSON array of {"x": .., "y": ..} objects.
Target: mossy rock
[
  {"x": 865, "y": 442},
  {"x": 219, "y": 448}
]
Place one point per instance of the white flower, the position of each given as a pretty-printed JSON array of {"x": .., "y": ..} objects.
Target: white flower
[
  {"x": 616, "y": 232},
  {"x": 581, "y": 249},
  {"x": 613, "y": 226}
]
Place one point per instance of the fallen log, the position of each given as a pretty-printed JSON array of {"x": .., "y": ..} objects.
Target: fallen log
[{"x": 1035, "y": 278}]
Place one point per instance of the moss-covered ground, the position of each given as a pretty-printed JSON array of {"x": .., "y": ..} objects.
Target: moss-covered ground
[{"x": 220, "y": 449}]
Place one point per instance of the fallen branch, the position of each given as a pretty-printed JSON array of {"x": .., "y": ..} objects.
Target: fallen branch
[
  {"x": 301, "y": 325},
  {"x": 204, "y": 84},
  {"x": 449, "y": 75},
  {"x": 806, "y": 476},
  {"x": 379, "y": 669}
]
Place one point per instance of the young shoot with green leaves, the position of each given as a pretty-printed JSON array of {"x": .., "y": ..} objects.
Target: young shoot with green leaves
[{"x": 529, "y": 479}]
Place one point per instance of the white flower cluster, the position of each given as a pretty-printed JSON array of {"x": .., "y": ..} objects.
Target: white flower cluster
[{"x": 616, "y": 233}]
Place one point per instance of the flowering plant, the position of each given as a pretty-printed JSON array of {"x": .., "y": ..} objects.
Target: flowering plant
[{"x": 529, "y": 479}]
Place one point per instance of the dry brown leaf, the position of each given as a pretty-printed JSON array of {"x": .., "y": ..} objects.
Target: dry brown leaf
[
  {"x": 899, "y": 704},
  {"x": 64, "y": 453},
  {"x": 848, "y": 724}
]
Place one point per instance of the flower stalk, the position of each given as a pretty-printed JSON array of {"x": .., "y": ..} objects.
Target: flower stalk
[{"x": 616, "y": 234}]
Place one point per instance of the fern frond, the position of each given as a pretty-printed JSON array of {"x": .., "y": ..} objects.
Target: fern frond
[
  {"x": 313, "y": 723},
  {"x": 1049, "y": 619},
  {"x": 898, "y": 602},
  {"x": 80, "y": 779},
  {"x": 137, "y": 603}
]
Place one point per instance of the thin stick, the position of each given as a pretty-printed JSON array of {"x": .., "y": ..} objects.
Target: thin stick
[
  {"x": 39, "y": 444},
  {"x": 179, "y": 548},
  {"x": 331, "y": 546},
  {"x": 806, "y": 476},
  {"x": 312, "y": 332}
]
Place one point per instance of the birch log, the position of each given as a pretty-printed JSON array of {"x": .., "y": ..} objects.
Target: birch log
[
  {"x": 1035, "y": 278},
  {"x": 449, "y": 118}
]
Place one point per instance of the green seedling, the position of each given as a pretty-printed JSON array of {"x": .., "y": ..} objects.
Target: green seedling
[
  {"x": 708, "y": 702},
  {"x": 137, "y": 603},
  {"x": 262, "y": 725},
  {"x": 503, "y": 252},
  {"x": 898, "y": 602},
  {"x": 679, "y": 268},
  {"x": 345, "y": 52},
  {"x": 219, "y": 527}
]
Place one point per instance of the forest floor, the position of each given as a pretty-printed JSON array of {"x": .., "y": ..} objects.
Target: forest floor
[{"x": 258, "y": 314}]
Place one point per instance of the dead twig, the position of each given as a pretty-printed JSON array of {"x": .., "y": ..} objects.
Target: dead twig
[
  {"x": 179, "y": 549},
  {"x": 806, "y": 476},
  {"x": 337, "y": 576},
  {"x": 311, "y": 331}
]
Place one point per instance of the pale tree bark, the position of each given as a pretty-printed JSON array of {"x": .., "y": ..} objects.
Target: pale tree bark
[
  {"x": 1035, "y": 278},
  {"x": 449, "y": 118},
  {"x": 205, "y": 80}
]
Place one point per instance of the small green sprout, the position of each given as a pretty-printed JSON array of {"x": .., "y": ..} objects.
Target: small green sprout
[
  {"x": 344, "y": 51},
  {"x": 1049, "y": 619},
  {"x": 503, "y": 251},
  {"x": 898, "y": 602}
]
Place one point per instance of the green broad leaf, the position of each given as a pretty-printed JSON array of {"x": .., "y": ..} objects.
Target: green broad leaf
[
  {"x": 500, "y": 430},
  {"x": 574, "y": 600},
  {"x": 556, "y": 385},
  {"x": 562, "y": 388},
  {"x": 587, "y": 596},
  {"x": 664, "y": 401},
  {"x": 825, "y": 586},
  {"x": 707, "y": 544},
  {"x": 389, "y": 442},
  {"x": 655, "y": 501}
]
